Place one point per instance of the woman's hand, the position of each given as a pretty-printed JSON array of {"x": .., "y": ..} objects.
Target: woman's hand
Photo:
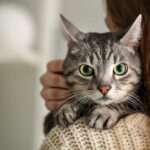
[{"x": 54, "y": 89}]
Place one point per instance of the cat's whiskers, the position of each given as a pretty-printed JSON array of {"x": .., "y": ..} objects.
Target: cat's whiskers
[
  {"x": 133, "y": 100},
  {"x": 79, "y": 97},
  {"x": 80, "y": 104},
  {"x": 74, "y": 96},
  {"x": 134, "y": 104},
  {"x": 72, "y": 93},
  {"x": 119, "y": 93},
  {"x": 134, "y": 96},
  {"x": 120, "y": 100}
]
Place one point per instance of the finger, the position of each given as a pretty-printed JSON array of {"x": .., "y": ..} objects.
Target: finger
[
  {"x": 54, "y": 94},
  {"x": 53, "y": 80},
  {"x": 52, "y": 105},
  {"x": 55, "y": 66}
]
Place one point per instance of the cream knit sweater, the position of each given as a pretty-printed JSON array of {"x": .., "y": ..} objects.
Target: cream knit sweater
[{"x": 130, "y": 133}]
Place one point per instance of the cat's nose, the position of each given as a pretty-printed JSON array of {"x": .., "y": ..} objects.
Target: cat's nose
[{"x": 104, "y": 89}]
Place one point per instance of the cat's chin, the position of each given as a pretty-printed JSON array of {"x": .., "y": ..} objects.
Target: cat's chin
[{"x": 104, "y": 101}]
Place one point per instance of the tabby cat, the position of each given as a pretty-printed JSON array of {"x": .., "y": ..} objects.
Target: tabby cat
[{"x": 103, "y": 73}]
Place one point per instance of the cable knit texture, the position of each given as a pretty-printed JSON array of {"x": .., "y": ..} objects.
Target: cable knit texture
[{"x": 130, "y": 133}]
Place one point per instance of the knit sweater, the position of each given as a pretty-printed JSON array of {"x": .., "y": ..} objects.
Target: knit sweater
[{"x": 130, "y": 133}]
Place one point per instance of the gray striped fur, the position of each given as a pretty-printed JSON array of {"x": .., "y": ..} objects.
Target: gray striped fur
[{"x": 101, "y": 51}]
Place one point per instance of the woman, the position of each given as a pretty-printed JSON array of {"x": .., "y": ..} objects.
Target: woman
[
  {"x": 120, "y": 15},
  {"x": 132, "y": 132}
]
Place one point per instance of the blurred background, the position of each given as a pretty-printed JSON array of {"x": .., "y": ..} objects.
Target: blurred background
[{"x": 30, "y": 36}]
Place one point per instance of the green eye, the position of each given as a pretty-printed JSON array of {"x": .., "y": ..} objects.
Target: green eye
[
  {"x": 120, "y": 69},
  {"x": 86, "y": 70}
]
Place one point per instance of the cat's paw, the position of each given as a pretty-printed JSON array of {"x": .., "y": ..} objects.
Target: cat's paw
[
  {"x": 66, "y": 115},
  {"x": 102, "y": 117}
]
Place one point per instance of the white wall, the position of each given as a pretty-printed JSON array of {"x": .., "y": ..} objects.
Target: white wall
[
  {"x": 17, "y": 100},
  {"x": 21, "y": 108},
  {"x": 87, "y": 15}
]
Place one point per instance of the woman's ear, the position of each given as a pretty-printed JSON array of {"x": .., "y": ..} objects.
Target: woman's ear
[
  {"x": 133, "y": 36},
  {"x": 71, "y": 32}
]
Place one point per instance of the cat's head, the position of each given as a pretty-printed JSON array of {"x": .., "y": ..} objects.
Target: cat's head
[{"x": 103, "y": 67}]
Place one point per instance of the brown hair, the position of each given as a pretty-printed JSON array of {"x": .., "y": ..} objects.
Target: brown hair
[{"x": 123, "y": 14}]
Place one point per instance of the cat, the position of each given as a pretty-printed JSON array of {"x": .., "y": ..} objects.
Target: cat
[{"x": 103, "y": 73}]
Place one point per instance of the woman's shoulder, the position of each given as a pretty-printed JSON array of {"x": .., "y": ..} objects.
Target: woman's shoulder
[{"x": 131, "y": 132}]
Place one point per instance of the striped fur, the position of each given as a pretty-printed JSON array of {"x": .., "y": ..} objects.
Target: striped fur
[{"x": 102, "y": 52}]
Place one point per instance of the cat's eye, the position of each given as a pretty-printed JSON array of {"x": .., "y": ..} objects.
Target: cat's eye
[
  {"x": 120, "y": 69},
  {"x": 86, "y": 70}
]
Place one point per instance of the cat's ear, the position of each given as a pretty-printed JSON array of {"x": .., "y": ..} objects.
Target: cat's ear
[
  {"x": 71, "y": 32},
  {"x": 133, "y": 36}
]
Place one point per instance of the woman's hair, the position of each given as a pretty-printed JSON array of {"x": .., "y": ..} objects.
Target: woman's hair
[{"x": 123, "y": 14}]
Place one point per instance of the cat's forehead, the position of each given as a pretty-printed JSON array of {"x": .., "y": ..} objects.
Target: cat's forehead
[
  {"x": 103, "y": 46},
  {"x": 99, "y": 40}
]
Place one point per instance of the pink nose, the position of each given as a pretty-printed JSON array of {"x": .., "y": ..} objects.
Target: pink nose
[{"x": 104, "y": 89}]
